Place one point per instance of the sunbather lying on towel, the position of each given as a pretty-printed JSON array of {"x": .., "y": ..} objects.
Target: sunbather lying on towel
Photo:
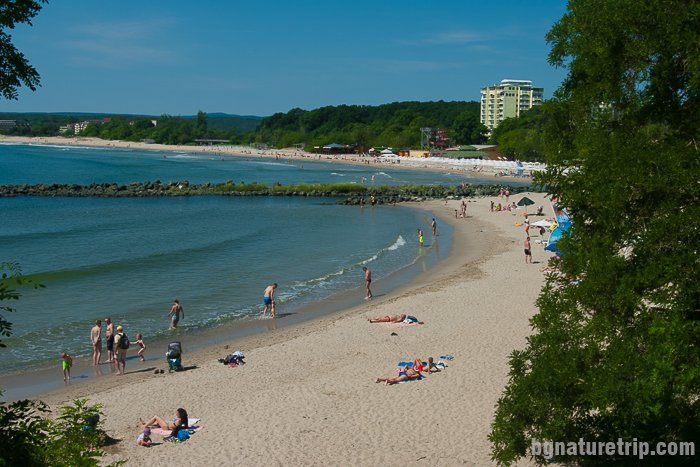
[
  {"x": 408, "y": 373},
  {"x": 428, "y": 367},
  {"x": 395, "y": 319}
]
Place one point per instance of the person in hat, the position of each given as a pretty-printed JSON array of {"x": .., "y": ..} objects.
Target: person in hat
[{"x": 144, "y": 439}]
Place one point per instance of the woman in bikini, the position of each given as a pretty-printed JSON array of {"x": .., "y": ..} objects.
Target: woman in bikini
[{"x": 181, "y": 421}]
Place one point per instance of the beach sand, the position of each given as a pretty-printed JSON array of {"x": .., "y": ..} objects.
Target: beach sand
[{"x": 307, "y": 395}]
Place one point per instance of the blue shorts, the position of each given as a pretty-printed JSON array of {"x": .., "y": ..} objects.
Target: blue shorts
[
  {"x": 267, "y": 300},
  {"x": 176, "y": 319}
]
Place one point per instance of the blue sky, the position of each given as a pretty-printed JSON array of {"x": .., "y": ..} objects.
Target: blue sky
[{"x": 260, "y": 57}]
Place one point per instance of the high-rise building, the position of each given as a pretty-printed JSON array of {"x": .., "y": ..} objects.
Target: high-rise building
[{"x": 508, "y": 99}]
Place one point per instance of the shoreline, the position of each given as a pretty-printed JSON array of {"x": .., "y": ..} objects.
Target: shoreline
[
  {"x": 487, "y": 173},
  {"x": 277, "y": 334},
  {"x": 40, "y": 380},
  {"x": 307, "y": 394}
]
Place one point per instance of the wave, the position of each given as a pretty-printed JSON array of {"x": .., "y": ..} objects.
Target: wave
[
  {"x": 140, "y": 262},
  {"x": 337, "y": 174},
  {"x": 278, "y": 164},
  {"x": 305, "y": 287}
]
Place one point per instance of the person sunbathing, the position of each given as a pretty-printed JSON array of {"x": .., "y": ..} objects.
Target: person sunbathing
[
  {"x": 428, "y": 367},
  {"x": 395, "y": 319},
  {"x": 407, "y": 374},
  {"x": 181, "y": 421}
]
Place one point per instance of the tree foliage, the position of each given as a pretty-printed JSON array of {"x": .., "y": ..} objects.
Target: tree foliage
[
  {"x": 521, "y": 137},
  {"x": 28, "y": 437},
  {"x": 15, "y": 69},
  {"x": 616, "y": 353},
  {"x": 396, "y": 125}
]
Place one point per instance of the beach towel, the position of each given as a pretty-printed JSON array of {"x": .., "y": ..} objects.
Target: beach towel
[
  {"x": 398, "y": 325},
  {"x": 401, "y": 367}
]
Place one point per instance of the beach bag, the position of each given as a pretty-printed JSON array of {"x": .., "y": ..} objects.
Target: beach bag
[
  {"x": 183, "y": 435},
  {"x": 124, "y": 341}
]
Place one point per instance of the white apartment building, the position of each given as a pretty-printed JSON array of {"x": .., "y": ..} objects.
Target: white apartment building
[{"x": 507, "y": 100}]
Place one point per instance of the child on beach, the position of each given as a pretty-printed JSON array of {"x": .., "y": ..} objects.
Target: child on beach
[
  {"x": 142, "y": 346},
  {"x": 66, "y": 363},
  {"x": 144, "y": 439}
]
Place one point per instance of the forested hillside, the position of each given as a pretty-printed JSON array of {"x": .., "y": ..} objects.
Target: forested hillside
[
  {"x": 173, "y": 129},
  {"x": 397, "y": 124}
]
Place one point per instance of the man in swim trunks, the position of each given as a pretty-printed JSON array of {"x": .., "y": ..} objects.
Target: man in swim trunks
[
  {"x": 528, "y": 252},
  {"x": 96, "y": 339},
  {"x": 109, "y": 334},
  {"x": 175, "y": 311},
  {"x": 269, "y": 300},
  {"x": 368, "y": 282}
]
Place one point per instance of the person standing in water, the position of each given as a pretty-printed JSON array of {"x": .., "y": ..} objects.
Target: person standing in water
[
  {"x": 433, "y": 227},
  {"x": 96, "y": 338},
  {"x": 175, "y": 311},
  {"x": 109, "y": 334},
  {"x": 269, "y": 300},
  {"x": 368, "y": 282},
  {"x": 421, "y": 239}
]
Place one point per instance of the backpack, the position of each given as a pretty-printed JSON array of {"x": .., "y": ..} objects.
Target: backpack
[{"x": 124, "y": 341}]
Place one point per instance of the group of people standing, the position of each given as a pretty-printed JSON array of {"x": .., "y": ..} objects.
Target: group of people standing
[{"x": 117, "y": 342}]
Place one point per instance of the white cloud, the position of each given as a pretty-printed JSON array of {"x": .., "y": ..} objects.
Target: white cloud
[
  {"x": 119, "y": 44},
  {"x": 453, "y": 37}
]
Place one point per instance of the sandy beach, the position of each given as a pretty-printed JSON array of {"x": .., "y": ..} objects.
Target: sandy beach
[
  {"x": 307, "y": 395},
  {"x": 488, "y": 173}
]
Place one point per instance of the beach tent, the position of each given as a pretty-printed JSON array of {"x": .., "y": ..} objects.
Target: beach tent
[
  {"x": 387, "y": 152},
  {"x": 563, "y": 228}
]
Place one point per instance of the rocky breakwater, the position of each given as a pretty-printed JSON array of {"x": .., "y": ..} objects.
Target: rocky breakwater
[{"x": 346, "y": 193}]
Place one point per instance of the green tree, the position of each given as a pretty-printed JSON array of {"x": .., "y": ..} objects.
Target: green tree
[
  {"x": 616, "y": 354},
  {"x": 15, "y": 69},
  {"x": 467, "y": 129}
]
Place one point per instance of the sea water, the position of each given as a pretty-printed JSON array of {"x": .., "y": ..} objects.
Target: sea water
[
  {"x": 30, "y": 164},
  {"x": 129, "y": 258}
]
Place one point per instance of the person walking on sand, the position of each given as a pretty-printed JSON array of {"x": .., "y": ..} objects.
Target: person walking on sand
[
  {"x": 269, "y": 300},
  {"x": 66, "y": 363},
  {"x": 120, "y": 346},
  {"x": 109, "y": 334},
  {"x": 433, "y": 227},
  {"x": 528, "y": 253},
  {"x": 96, "y": 339},
  {"x": 174, "y": 313},
  {"x": 368, "y": 282}
]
